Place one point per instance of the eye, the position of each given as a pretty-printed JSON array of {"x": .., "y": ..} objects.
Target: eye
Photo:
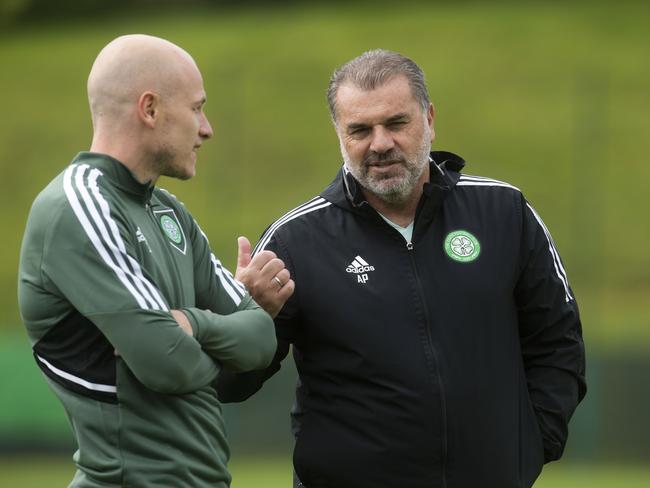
[
  {"x": 397, "y": 124},
  {"x": 359, "y": 132}
]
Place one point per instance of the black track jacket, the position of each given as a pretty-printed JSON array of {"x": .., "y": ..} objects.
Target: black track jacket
[{"x": 455, "y": 360}]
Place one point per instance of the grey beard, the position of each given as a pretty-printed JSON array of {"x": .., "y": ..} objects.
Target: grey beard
[{"x": 399, "y": 192}]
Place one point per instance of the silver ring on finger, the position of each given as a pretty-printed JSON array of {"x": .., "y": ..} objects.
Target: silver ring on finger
[{"x": 278, "y": 281}]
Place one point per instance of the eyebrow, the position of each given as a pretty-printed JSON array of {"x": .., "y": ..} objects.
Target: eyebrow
[
  {"x": 354, "y": 126},
  {"x": 395, "y": 118},
  {"x": 398, "y": 118}
]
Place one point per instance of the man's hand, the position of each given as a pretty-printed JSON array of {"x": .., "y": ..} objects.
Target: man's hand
[
  {"x": 183, "y": 322},
  {"x": 265, "y": 277}
]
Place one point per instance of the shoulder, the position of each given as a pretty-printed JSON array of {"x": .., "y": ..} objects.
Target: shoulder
[
  {"x": 489, "y": 197},
  {"x": 71, "y": 202},
  {"x": 482, "y": 183},
  {"x": 64, "y": 196},
  {"x": 299, "y": 217},
  {"x": 168, "y": 199},
  {"x": 485, "y": 189},
  {"x": 84, "y": 190}
]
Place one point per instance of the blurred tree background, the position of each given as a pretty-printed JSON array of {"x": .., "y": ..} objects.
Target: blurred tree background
[{"x": 552, "y": 97}]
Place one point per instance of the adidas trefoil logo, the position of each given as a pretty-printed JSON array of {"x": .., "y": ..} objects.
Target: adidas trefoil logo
[{"x": 360, "y": 267}]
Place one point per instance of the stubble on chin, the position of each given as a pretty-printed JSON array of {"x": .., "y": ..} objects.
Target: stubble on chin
[{"x": 163, "y": 163}]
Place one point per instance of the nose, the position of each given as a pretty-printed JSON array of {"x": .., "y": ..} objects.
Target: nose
[
  {"x": 205, "y": 129},
  {"x": 382, "y": 140}
]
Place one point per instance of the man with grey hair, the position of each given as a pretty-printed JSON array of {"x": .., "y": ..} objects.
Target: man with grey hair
[
  {"x": 435, "y": 334},
  {"x": 130, "y": 314}
]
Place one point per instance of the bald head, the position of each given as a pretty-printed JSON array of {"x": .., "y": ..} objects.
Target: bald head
[
  {"x": 129, "y": 66},
  {"x": 146, "y": 98}
]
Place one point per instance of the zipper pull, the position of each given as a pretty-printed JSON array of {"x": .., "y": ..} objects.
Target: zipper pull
[{"x": 409, "y": 246}]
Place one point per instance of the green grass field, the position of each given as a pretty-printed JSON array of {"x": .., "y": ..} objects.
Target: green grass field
[{"x": 276, "y": 473}]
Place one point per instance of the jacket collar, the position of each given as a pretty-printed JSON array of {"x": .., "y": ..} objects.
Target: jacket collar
[
  {"x": 118, "y": 174},
  {"x": 445, "y": 167}
]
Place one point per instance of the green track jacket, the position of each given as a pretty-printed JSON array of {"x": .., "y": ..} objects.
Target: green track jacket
[{"x": 104, "y": 259}]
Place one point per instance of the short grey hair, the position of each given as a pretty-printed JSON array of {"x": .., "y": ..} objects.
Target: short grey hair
[{"x": 374, "y": 68}]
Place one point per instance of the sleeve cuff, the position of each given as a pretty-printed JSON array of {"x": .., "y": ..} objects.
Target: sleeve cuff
[{"x": 194, "y": 322}]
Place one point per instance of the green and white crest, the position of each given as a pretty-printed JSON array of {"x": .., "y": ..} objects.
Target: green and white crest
[
  {"x": 462, "y": 246},
  {"x": 172, "y": 229}
]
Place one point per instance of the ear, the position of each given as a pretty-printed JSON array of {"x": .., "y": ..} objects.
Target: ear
[
  {"x": 148, "y": 108},
  {"x": 430, "y": 116}
]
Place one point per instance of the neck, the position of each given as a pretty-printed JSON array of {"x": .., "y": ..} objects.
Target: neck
[
  {"x": 400, "y": 213},
  {"x": 127, "y": 154}
]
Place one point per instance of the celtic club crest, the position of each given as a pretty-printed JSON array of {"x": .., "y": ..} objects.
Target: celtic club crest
[
  {"x": 462, "y": 246},
  {"x": 172, "y": 229}
]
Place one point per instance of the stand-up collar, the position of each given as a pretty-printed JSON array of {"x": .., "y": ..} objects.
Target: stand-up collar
[
  {"x": 117, "y": 173},
  {"x": 444, "y": 173}
]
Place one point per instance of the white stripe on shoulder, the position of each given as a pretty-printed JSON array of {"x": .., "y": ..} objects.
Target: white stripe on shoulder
[
  {"x": 557, "y": 262},
  {"x": 235, "y": 289},
  {"x": 149, "y": 291},
  {"x": 315, "y": 203},
  {"x": 72, "y": 184},
  {"x": 76, "y": 379},
  {"x": 469, "y": 180}
]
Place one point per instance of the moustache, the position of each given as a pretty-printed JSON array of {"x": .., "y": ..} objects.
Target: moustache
[{"x": 392, "y": 156}]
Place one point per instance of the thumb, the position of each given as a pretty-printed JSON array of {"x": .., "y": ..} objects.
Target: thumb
[{"x": 244, "y": 253}]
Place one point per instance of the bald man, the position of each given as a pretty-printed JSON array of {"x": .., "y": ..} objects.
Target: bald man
[{"x": 130, "y": 314}]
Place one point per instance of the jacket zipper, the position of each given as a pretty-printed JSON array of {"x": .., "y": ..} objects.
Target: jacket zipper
[{"x": 443, "y": 403}]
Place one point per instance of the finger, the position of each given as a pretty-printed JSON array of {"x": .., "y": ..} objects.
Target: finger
[
  {"x": 261, "y": 259},
  {"x": 287, "y": 290},
  {"x": 272, "y": 268},
  {"x": 283, "y": 275},
  {"x": 243, "y": 252}
]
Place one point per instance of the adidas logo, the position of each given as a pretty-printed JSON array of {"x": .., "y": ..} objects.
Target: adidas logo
[
  {"x": 141, "y": 238},
  {"x": 360, "y": 267}
]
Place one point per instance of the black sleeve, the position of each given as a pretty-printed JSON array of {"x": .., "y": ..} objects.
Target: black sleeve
[
  {"x": 550, "y": 334},
  {"x": 237, "y": 387}
]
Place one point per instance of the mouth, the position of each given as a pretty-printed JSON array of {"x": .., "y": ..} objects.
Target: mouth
[{"x": 384, "y": 165}]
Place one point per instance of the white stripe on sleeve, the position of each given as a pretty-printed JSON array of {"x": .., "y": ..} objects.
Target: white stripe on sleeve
[
  {"x": 314, "y": 204},
  {"x": 557, "y": 263},
  {"x": 94, "y": 238},
  {"x": 234, "y": 288},
  {"x": 144, "y": 285}
]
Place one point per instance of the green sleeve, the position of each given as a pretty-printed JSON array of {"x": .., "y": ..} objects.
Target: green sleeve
[
  {"x": 242, "y": 341},
  {"x": 95, "y": 269},
  {"x": 227, "y": 323}
]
